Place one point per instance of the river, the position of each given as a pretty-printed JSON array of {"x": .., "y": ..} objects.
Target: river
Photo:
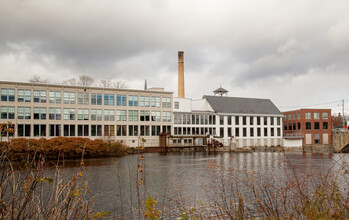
[{"x": 187, "y": 179}]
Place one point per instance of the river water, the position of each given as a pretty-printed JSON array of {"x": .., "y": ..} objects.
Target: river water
[{"x": 188, "y": 179}]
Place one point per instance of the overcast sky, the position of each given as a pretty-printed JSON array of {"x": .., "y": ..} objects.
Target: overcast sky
[{"x": 295, "y": 53}]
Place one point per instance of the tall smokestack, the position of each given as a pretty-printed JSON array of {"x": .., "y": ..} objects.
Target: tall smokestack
[{"x": 181, "y": 93}]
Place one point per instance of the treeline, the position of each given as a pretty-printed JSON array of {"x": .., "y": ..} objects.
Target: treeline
[
  {"x": 84, "y": 80},
  {"x": 64, "y": 147}
]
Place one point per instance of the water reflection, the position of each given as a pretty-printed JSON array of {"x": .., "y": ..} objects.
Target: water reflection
[{"x": 189, "y": 177}]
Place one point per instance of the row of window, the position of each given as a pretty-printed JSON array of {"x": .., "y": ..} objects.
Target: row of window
[
  {"x": 307, "y": 115},
  {"x": 8, "y": 112},
  {"x": 82, "y": 98},
  {"x": 54, "y": 130},
  {"x": 211, "y": 119},
  {"x": 308, "y": 126},
  {"x": 253, "y": 132}
]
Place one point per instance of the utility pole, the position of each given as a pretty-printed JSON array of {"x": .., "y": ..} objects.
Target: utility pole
[{"x": 343, "y": 118}]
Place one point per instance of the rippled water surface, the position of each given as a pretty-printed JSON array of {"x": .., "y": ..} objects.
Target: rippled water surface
[{"x": 190, "y": 178}]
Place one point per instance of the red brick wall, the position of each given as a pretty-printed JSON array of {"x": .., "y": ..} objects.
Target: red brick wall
[{"x": 312, "y": 120}]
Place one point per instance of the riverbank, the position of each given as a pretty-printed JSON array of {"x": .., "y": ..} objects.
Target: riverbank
[{"x": 61, "y": 147}]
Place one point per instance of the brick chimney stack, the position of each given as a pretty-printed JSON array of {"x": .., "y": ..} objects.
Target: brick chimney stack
[{"x": 181, "y": 92}]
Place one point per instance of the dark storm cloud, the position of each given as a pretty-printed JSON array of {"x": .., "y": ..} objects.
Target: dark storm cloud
[{"x": 241, "y": 44}]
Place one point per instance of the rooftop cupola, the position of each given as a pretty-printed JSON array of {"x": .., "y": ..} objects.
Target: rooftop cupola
[{"x": 221, "y": 91}]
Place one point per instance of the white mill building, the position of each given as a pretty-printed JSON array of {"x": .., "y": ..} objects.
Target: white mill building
[{"x": 237, "y": 122}]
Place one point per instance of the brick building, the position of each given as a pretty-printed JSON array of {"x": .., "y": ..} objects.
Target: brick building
[{"x": 313, "y": 126}]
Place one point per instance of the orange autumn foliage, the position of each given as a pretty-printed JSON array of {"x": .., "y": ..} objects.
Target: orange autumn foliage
[{"x": 67, "y": 147}]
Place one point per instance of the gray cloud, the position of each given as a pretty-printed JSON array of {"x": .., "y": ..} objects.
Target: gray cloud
[{"x": 245, "y": 45}]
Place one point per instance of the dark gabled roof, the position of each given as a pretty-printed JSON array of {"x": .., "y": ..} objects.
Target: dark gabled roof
[{"x": 242, "y": 105}]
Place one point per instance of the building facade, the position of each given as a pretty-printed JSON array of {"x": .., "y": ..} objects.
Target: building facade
[
  {"x": 43, "y": 110},
  {"x": 313, "y": 126},
  {"x": 237, "y": 122}
]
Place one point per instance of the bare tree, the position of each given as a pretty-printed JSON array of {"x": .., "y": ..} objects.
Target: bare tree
[
  {"x": 106, "y": 83},
  {"x": 71, "y": 82},
  {"x": 85, "y": 80},
  {"x": 37, "y": 79},
  {"x": 120, "y": 85}
]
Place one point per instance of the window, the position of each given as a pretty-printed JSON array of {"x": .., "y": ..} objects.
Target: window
[
  {"x": 243, "y": 120},
  {"x": 55, "y": 97},
  {"x": 221, "y": 120},
  {"x": 54, "y": 114},
  {"x": 121, "y": 130},
  {"x": 83, "y": 115},
  {"x": 265, "y": 132},
  {"x": 271, "y": 120},
  {"x": 7, "y": 95},
  {"x": 298, "y": 115},
  {"x": 272, "y": 132},
  {"x": 324, "y": 125},
  {"x": 285, "y": 127},
  {"x": 229, "y": 120},
  {"x": 7, "y": 112},
  {"x": 265, "y": 120},
  {"x": 144, "y": 115},
  {"x": 290, "y": 126},
  {"x": 155, "y": 130},
  {"x": 316, "y": 115},
  {"x": 166, "y": 116},
  {"x": 236, "y": 120},
  {"x": 121, "y": 115},
  {"x": 39, "y": 96},
  {"x": 96, "y": 99},
  {"x": 69, "y": 130},
  {"x": 39, "y": 130},
  {"x": 289, "y": 117},
  {"x": 324, "y": 115},
  {"x": 251, "y": 120},
  {"x": 251, "y": 132},
  {"x": 316, "y": 125},
  {"x": 132, "y": 100},
  {"x": 23, "y": 130},
  {"x": 121, "y": 100},
  {"x": 176, "y": 105},
  {"x": 83, "y": 130},
  {"x": 155, "y": 101},
  {"x": 109, "y": 115},
  {"x": 144, "y": 101},
  {"x": 54, "y": 130},
  {"x": 298, "y": 126},
  {"x": 166, "y": 102},
  {"x": 317, "y": 138},
  {"x": 258, "y": 120},
  {"x": 155, "y": 116},
  {"x": 244, "y": 132},
  {"x": 39, "y": 113},
  {"x": 144, "y": 129},
  {"x": 132, "y": 115},
  {"x": 23, "y": 112},
  {"x": 96, "y": 115},
  {"x": 83, "y": 98},
  {"x": 96, "y": 130},
  {"x": 133, "y": 130},
  {"x": 307, "y": 115},
  {"x": 109, "y": 99},
  {"x": 294, "y": 116},
  {"x": 24, "y": 95},
  {"x": 69, "y": 97},
  {"x": 69, "y": 114},
  {"x": 308, "y": 125},
  {"x": 294, "y": 126},
  {"x": 278, "y": 120},
  {"x": 109, "y": 130},
  {"x": 258, "y": 132}
]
